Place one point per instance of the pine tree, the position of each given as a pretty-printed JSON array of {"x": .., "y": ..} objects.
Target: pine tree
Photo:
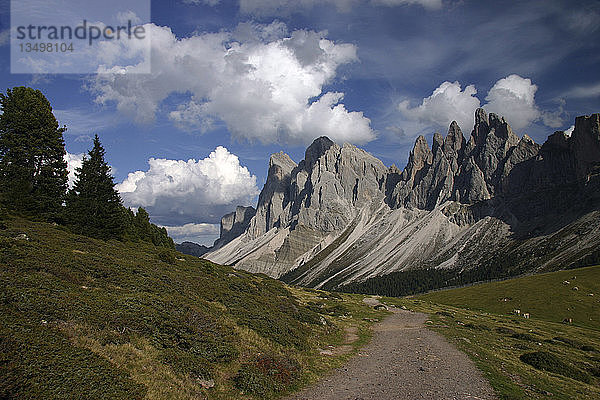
[
  {"x": 139, "y": 228},
  {"x": 33, "y": 172},
  {"x": 93, "y": 204}
]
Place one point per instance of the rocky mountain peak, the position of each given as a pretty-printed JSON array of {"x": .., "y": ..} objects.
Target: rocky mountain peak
[
  {"x": 438, "y": 142},
  {"x": 318, "y": 147},
  {"x": 558, "y": 139},
  {"x": 281, "y": 164},
  {"x": 501, "y": 129},
  {"x": 454, "y": 141},
  {"x": 234, "y": 224},
  {"x": 420, "y": 156},
  {"x": 341, "y": 215},
  {"x": 585, "y": 143},
  {"x": 481, "y": 128}
]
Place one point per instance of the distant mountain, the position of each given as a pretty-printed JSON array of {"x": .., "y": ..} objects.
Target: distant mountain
[
  {"x": 191, "y": 249},
  {"x": 495, "y": 205}
]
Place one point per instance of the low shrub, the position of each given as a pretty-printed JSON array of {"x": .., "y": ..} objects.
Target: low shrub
[
  {"x": 594, "y": 371},
  {"x": 549, "y": 362},
  {"x": 575, "y": 343},
  {"x": 504, "y": 330},
  {"x": 267, "y": 375},
  {"x": 524, "y": 336},
  {"x": 477, "y": 327},
  {"x": 167, "y": 256},
  {"x": 445, "y": 314},
  {"x": 187, "y": 363},
  {"x": 335, "y": 309}
]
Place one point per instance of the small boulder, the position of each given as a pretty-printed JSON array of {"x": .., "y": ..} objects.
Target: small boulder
[
  {"x": 206, "y": 383},
  {"x": 22, "y": 236}
]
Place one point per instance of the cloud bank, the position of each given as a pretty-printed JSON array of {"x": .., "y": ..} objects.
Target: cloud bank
[
  {"x": 270, "y": 8},
  {"x": 177, "y": 192},
  {"x": 265, "y": 84},
  {"x": 512, "y": 97},
  {"x": 447, "y": 103},
  {"x": 204, "y": 234}
]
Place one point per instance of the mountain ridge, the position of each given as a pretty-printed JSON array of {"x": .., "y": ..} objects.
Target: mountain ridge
[{"x": 341, "y": 215}]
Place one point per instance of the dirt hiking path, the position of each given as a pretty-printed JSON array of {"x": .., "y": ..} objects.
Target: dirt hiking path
[{"x": 404, "y": 360}]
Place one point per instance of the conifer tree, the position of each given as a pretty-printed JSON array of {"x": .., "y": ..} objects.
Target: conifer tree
[
  {"x": 93, "y": 204},
  {"x": 33, "y": 171}
]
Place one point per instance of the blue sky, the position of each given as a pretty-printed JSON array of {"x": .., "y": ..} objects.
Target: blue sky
[{"x": 235, "y": 80}]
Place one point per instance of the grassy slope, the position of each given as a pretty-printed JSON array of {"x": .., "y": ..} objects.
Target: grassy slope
[
  {"x": 478, "y": 322},
  {"x": 544, "y": 296},
  {"x": 82, "y": 318}
]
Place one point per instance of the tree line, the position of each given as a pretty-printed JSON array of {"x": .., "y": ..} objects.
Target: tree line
[
  {"x": 414, "y": 281},
  {"x": 34, "y": 176}
]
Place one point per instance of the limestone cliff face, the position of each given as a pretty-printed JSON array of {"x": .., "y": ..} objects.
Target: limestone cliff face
[
  {"x": 303, "y": 205},
  {"x": 234, "y": 224},
  {"x": 458, "y": 170},
  {"x": 340, "y": 215}
]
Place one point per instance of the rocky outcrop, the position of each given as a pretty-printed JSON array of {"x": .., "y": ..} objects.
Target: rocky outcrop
[
  {"x": 234, "y": 224},
  {"x": 340, "y": 215},
  {"x": 584, "y": 143},
  {"x": 459, "y": 170}
]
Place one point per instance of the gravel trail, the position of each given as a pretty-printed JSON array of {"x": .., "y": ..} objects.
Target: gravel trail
[{"x": 404, "y": 360}]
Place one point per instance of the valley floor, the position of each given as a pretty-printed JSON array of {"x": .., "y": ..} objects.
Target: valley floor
[{"x": 404, "y": 360}]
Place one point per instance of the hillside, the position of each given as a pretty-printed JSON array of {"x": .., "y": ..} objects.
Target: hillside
[
  {"x": 525, "y": 358},
  {"x": 489, "y": 205},
  {"x": 84, "y": 318},
  {"x": 550, "y": 297}
]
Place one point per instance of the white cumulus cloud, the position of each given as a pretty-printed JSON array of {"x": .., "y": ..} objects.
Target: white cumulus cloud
[
  {"x": 447, "y": 103},
  {"x": 177, "y": 192},
  {"x": 73, "y": 162},
  {"x": 514, "y": 98},
  {"x": 263, "y": 83}
]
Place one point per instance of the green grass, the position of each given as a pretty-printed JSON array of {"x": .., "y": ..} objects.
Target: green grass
[
  {"x": 84, "y": 318},
  {"x": 543, "y": 296},
  {"x": 525, "y": 358}
]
